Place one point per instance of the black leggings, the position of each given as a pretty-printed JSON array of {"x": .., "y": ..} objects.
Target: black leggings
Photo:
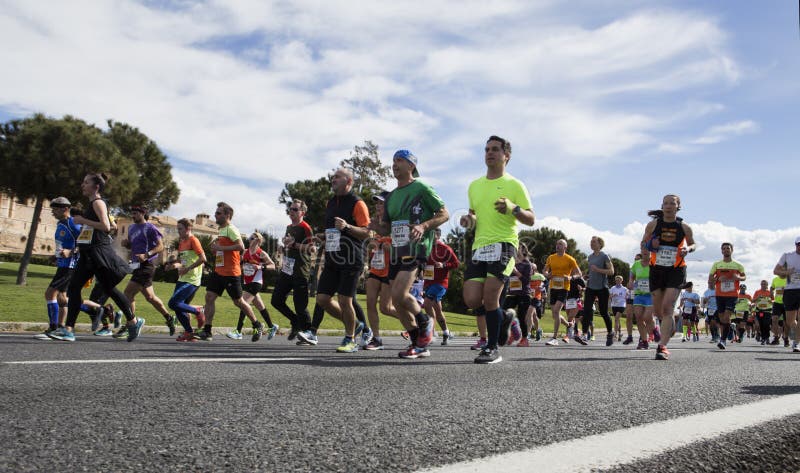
[
  {"x": 588, "y": 308},
  {"x": 105, "y": 278},
  {"x": 765, "y": 323},
  {"x": 521, "y": 303},
  {"x": 300, "y": 319}
]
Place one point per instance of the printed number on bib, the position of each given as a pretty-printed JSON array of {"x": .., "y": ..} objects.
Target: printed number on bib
[
  {"x": 332, "y": 238},
  {"x": 86, "y": 235},
  {"x": 557, "y": 283},
  {"x": 514, "y": 283},
  {"x": 643, "y": 285},
  {"x": 571, "y": 304},
  {"x": 763, "y": 304},
  {"x": 249, "y": 269},
  {"x": 666, "y": 256},
  {"x": 288, "y": 266},
  {"x": 687, "y": 310},
  {"x": 427, "y": 273},
  {"x": 727, "y": 285},
  {"x": 794, "y": 278},
  {"x": 219, "y": 259},
  {"x": 401, "y": 232},
  {"x": 378, "y": 260},
  {"x": 488, "y": 253}
]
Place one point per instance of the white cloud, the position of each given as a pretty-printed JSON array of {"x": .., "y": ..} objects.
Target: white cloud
[{"x": 720, "y": 133}]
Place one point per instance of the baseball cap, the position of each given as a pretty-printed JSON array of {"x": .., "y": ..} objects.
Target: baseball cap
[
  {"x": 60, "y": 202},
  {"x": 381, "y": 196},
  {"x": 797, "y": 241},
  {"x": 408, "y": 156}
]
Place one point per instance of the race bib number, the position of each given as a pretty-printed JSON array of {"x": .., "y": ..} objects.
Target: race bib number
[
  {"x": 332, "y": 239},
  {"x": 739, "y": 314},
  {"x": 401, "y": 233},
  {"x": 727, "y": 285},
  {"x": 763, "y": 304},
  {"x": 288, "y": 265},
  {"x": 58, "y": 249},
  {"x": 687, "y": 310},
  {"x": 557, "y": 283},
  {"x": 249, "y": 269},
  {"x": 778, "y": 291},
  {"x": 571, "y": 304},
  {"x": 378, "y": 260},
  {"x": 514, "y": 283},
  {"x": 219, "y": 259},
  {"x": 135, "y": 265},
  {"x": 666, "y": 256},
  {"x": 427, "y": 273},
  {"x": 488, "y": 253},
  {"x": 643, "y": 285},
  {"x": 86, "y": 235},
  {"x": 794, "y": 278}
]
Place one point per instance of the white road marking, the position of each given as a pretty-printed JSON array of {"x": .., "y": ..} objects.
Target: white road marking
[
  {"x": 148, "y": 360},
  {"x": 641, "y": 442}
]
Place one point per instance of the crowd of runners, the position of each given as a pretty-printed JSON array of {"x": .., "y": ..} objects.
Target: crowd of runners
[{"x": 408, "y": 269}]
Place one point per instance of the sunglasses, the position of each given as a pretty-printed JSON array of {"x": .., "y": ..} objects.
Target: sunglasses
[{"x": 294, "y": 209}]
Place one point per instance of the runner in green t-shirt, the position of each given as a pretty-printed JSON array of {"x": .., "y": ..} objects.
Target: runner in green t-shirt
[
  {"x": 497, "y": 202},
  {"x": 411, "y": 212}
]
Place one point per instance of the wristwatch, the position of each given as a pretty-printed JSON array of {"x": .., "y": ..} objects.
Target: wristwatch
[{"x": 516, "y": 210}]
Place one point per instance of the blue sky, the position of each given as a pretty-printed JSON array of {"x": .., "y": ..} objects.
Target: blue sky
[{"x": 608, "y": 104}]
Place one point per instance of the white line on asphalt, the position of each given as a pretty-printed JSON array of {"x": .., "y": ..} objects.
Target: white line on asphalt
[
  {"x": 641, "y": 442},
  {"x": 146, "y": 360}
]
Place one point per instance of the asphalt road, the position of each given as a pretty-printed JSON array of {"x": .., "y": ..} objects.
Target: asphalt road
[{"x": 272, "y": 406}]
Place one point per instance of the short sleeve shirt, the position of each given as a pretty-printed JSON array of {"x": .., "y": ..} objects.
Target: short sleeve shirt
[
  {"x": 189, "y": 251},
  {"x": 406, "y": 206},
  {"x": 492, "y": 226},
  {"x": 226, "y": 263}
]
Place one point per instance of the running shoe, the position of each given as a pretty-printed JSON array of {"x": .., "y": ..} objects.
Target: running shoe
[
  {"x": 234, "y": 335},
  {"x": 721, "y": 345},
  {"x": 552, "y": 343},
  {"x": 478, "y": 344},
  {"x": 374, "y": 345},
  {"x": 628, "y": 340},
  {"x": 619, "y": 336},
  {"x": 565, "y": 339},
  {"x": 118, "y": 318},
  {"x": 171, "y": 325},
  {"x": 413, "y": 352},
  {"x": 656, "y": 334},
  {"x": 347, "y": 346},
  {"x": 272, "y": 331},
  {"x": 446, "y": 337},
  {"x": 360, "y": 326},
  {"x": 292, "y": 334},
  {"x": 258, "y": 331},
  {"x": 104, "y": 332},
  {"x": 775, "y": 341},
  {"x": 662, "y": 353},
  {"x": 204, "y": 335},
  {"x": 136, "y": 329},
  {"x": 785, "y": 342},
  {"x": 609, "y": 339},
  {"x": 539, "y": 334},
  {"x": 186, "y": 337},
  {"x": 63, "y": 334},
  {"x": 581, "y": 340},
  {"x": 515, "y": 332},
  {"x": 503, "y": 338},
  {"x": 795, "y": 347},
  {"x": 425, "y": 334},
  {"x": 201, "y": 317},
  {"x": 643, "y": 345},
  {"x": 122, "y": 332},
  {"x": 366, "y": 336},
  {"x": 524, "y": 343},
  {"x": 488, "y": 356},
  {"x": 307, "y": 337},
  {"x": 44, "y": 335}
]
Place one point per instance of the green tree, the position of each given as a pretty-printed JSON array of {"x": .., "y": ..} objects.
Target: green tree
[
  {"x": 369, "y": 175},
  {"x": 314, "y": 193},
  {"x": 42, "y": 158},
  {"x": 156, "y": 188},
  {"x": 621, "y": 268}
]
